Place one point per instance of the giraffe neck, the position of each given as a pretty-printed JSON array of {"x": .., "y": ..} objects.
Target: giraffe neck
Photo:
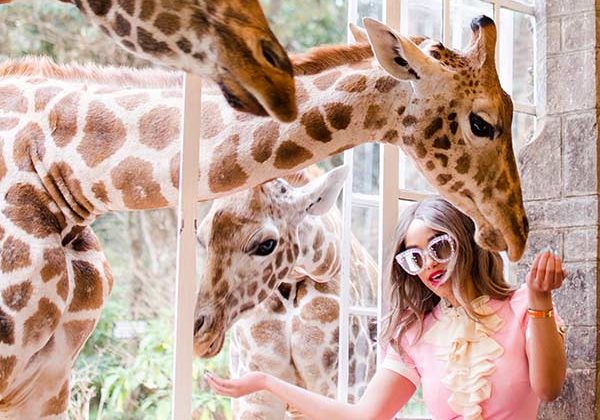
[{"x": 320, "y": 246}]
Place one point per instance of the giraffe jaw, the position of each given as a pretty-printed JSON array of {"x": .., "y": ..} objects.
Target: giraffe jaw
[{"x": 209, "y": 345}]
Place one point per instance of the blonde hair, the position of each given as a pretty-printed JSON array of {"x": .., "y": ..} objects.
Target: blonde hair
[{"x": 410, "y": 299}]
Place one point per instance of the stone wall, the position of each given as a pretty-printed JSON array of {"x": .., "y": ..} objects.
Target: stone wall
[{"x": 560, "y": 185}]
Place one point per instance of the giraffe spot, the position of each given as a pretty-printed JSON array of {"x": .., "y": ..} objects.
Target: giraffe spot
[
  {"x": 14, "y": 255},
  {"x": 88, "y": 287},
  {"x": 12, "y": 99},
  {"x": 443, "y": 179},
  {"x": 279, "y": 258},
  {"x": 213, "y": 125},
  {"x": 385, "y": 84},
  {"x": 329, "y": 359},
  {"x": 62, "y": 182},
  {"x": 322, "y": 309},
  {"x": 420, "y": 150},
  {"x": 281, "y": 275},
  {"x": 8, "y": 123},
  {"x": 174, "y": 169},
  {"x": 457, "y": 186},
  {"x": 375, "y": 118},
  {"x": 1, "y": 233},
  {"x": 131, "y": 102},
  {"x": 325, "y": 81},
  {"x": 150, "y": 45},
  {"x": 147, "y": 10},
  {"x": 502, "y": 183},
  {"x": 121, "y": 26},
  {"x": 453, "y": 127},
  {"x": 327, "y": 262},
  {"x": 408, "y": 140},
  {"x": 442, "y": 142},
  {"x": 463, "y": 164},
  {"x": 289, "y": 155},
  {"x": 267, "y": 331},
  {"x": 318, "y": 241},
  {"x": 167, "y": 23},
  {"x": 264, "y": 137},
  {"x": 76, "y": 332},
  {"x": 339, "y": 115},
  {"x": 353, "y": 84},
  {"x": 100, "y": 7},
  {"x": 452, "y": 116},
  {"x": 134, "y": 178},
  {"x": 226, "y": 174},
  {"x": 429, "y": 165},
  {"x": 7, "y": 365},
  {"x": 184, "y": 45},
  {"x": 41, "y": 323},
  {"x": 251, "y": 289},
  {"x": 391, "y": 136},
  {"x": 433, "y": 127},
  {"x": 159, "y": 127},
  {"x": 442, "y": 158},
  {"x": 128, "y": 6},
  {"x": 401, "y": 110},
  {"x": 85, "y": 241},
  {"x": 301, "y": 93},
  {"x": 7, "y": 328},
  {"x": 44, "y": 95},
  {"x": 17, "y": 295},
  {"x": 100, "y": 192},
  {"x": 128, "y": 45},
  {"x": 54, "y": 264},
  {"x": 409, "y": 120},
  {"x": 104, "y": 134},
  {"x": 28, "y": 145},
  {"x": 58, "y": 404},
  {"x": 28, "y": 209},
  {"x": 315, "y": 126}
]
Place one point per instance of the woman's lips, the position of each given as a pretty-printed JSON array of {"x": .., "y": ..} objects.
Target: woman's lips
[{"x": 440, "y": 277}]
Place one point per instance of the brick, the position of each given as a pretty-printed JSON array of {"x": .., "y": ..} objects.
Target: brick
[
  {"x": 576, "y": 299},
  {"x": 571, "y": 83},
  {"x": 578, "y": 31},
  {"x": 581, "y": 346},
  {"x": 581, "y": 245},
  {"x": 580, "y": 160},
  {"x": 562, "y": 7},
  {"x": 565, "y": 213},
  {"x": 577, "y": 399}
]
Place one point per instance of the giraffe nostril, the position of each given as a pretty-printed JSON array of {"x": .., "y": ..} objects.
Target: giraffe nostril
[{"x": 198, "y": 324}]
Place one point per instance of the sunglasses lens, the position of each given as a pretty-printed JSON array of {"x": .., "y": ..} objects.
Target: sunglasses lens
[
  {"x": 411, "y": 261},
  {"x": 442, "y": 250}
]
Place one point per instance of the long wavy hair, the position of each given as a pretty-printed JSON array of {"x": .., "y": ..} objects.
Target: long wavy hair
[{"x": 410, "y": 299}]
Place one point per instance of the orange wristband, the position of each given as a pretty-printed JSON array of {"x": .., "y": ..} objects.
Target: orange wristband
[{"x": 534, "y": 313}]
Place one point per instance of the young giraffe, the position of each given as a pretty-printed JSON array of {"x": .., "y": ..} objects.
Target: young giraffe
[
  {"x": 228, "y": 41},
  {"x": 293, "y": 333},
  {"x": 77, "y": 142}
]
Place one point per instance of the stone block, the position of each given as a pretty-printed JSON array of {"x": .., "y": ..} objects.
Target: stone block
[
  {"x": 580, "y": 154},
  {"x": 564, "y": 213},
  {"x": 553, "y": 36},
  {"x": 576, "y": 299},
  {"x": 581, "y": 245},
  {"x": 571, "y": 83},
  {"x": 579, "y": 31},
  {"x": 581, "y": 346},
  {"x": 562, "y": 7},
  {"x": 577, "y": 400},
  {"x": 537, "y": 241},
  {"x": 539, "y": 162}
]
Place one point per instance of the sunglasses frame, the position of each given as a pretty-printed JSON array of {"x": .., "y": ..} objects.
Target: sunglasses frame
[{"x": 427, "y": 252}]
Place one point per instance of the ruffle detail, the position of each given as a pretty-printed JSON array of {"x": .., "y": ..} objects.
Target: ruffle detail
[{"x": 469, "y": 352}]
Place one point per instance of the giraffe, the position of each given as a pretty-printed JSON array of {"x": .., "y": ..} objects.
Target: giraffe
[
  {"x": 77, "y": 142},
  {"x": 228, "y": 41},
  {"x": 286, "y": 325}
]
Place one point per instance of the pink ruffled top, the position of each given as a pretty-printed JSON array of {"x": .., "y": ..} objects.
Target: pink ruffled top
[{"x": 472, "y": 370}]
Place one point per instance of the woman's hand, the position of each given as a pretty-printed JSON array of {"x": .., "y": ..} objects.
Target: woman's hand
[
  {"x": 247, "y": 384},
  {"x": 546, "y": 274}
]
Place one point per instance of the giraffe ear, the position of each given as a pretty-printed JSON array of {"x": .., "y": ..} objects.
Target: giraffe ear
[
  {"x": 358, "y": 33},
  {"x": 399, "y": 55},
  {"x": 320, "y": 195}
]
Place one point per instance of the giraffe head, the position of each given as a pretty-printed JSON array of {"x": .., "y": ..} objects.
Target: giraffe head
[
  {"x": 457, "y": 128},
  {"x": 227, "y": 40},
  {"x": 252, "y": 243}
]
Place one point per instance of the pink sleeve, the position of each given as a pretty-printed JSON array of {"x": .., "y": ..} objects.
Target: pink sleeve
[
  {"x": 520, "y": 304},
  {"x": 401, "y": 364}
]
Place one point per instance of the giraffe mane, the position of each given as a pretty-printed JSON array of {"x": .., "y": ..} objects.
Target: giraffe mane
[
  {"x": 319, "y": 59},
  {"x": 104, "y": 75}
]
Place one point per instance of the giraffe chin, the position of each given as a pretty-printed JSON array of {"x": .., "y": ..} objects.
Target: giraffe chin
[
  {"x": 491, "y": 238},
  {"x": 240, "y": 99},
  {"x": 207, "y": 346}
]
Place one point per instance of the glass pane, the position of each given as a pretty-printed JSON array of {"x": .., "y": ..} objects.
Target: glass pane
[
  {"x": 424, "y": 17},
  {"x": 366, "y": 169},
  {"x": 413, "y": 180},
  {"x": 365, "y": 224},
  {"x": 461, "y": 14},
  {"x": 523, "y": 127},
  {"x": 369, "y": 8},
  {"x": 517, "y": 55},
  {"x": 362, "y": 354}
]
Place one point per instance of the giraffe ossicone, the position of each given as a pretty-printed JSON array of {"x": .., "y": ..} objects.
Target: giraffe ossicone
[
  {"x": 228, "y": 41},
  {"x": 272, "y": 276}
]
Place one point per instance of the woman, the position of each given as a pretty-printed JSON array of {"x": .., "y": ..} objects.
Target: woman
[{"x": 480, "y": 348}]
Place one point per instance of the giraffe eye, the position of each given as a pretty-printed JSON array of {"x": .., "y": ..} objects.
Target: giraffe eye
[
  {"x": 265, "y": 248},
  {"x": 480, "y": 127}
]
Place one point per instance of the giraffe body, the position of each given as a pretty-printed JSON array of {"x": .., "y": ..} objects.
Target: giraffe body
[
  {"x": 286, "y": 324},
  {"x": 78, "y": 142}
]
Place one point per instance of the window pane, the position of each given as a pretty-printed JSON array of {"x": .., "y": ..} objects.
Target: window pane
[
  {"x": 424, "y": 17},
  {"x": 413, "y": 180},
  {"x": 365, "y": 224},
  {"x": 369, "y": 8},
  {"x": 517, "y": 55},
  {"x": 365, "y": 176},
  {"x": 461, "y": 14},
  {"x": 523, "y": 127}
]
